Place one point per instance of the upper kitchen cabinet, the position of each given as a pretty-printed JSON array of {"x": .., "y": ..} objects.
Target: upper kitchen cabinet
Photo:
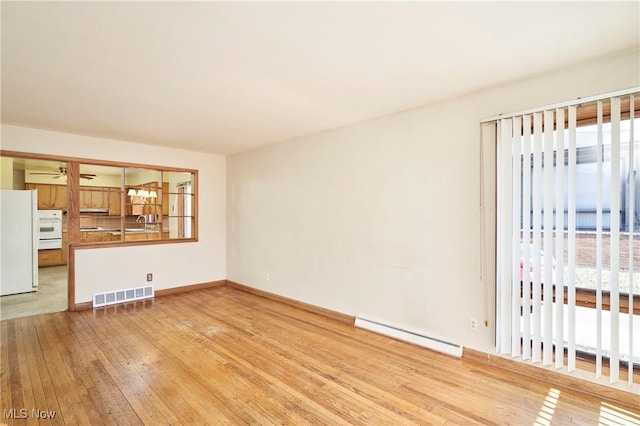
[
  {"x": 101, "y": 189},
  {"x": 50, "y": 197},
  {"x": 93, "y": 197},
  {"x": 115, "y": 202},
  {"x": 59, "y": 194},
  {"x": 101, "y": 197},
  {"x": 49, "y": 178}
]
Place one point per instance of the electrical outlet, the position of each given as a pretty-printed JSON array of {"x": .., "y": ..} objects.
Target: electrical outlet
[
  {"x": 149, "y": 277},
  {"x": 473, "y": 324},
  {"x": 267, "y": 276}
]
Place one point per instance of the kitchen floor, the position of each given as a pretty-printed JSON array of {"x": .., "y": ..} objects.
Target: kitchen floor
[{"x": 50, "y": 297}]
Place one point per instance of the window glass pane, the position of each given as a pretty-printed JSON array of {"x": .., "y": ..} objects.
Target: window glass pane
[
  {"x": 143, "y": 207},
  {"x": 100, "y": 203},
  {"x": 587, "y": 184},
  {"x": 586, "y": 203},
  {"x": 181, "y": 206}
]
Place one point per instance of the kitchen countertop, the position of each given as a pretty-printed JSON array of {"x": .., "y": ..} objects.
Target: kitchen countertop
[
  {"x": 131, "y": 232},
  {"x": 118, "y": 231}
]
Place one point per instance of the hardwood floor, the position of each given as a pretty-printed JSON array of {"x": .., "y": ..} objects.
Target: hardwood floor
[{"x": 224, "y": 356}]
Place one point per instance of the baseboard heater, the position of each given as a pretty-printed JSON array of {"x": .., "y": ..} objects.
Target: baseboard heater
[
  {"x": 428, "y": 342},
  {"x": 121, "y": 296}
]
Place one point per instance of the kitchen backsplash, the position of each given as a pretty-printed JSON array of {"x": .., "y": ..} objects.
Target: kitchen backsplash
[{"x": 104, "y": 222}]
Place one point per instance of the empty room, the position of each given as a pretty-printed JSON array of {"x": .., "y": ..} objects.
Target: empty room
[{"x": 370, "y": 213}]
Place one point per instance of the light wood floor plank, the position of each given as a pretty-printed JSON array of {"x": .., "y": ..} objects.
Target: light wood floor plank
[
  {"x": 223, "y": 356},
  {"x": 125, "y": 366},
  {"x": 188, "y": 366},
  {"x": 232, "y": 373},
  {"x": 5, "y": 373},
  {"x": 351, "y": 367}
]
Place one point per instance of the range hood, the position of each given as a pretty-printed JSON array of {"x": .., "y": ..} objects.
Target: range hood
[{"x": 98, "y": 212}]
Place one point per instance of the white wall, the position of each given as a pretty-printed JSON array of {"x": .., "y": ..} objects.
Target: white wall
[
  {"x": 172, "y": 265},
  {"x": 382, "y": 218},
  {"x": 6, "y": 173},
  {"x": 18, "y": 179}
]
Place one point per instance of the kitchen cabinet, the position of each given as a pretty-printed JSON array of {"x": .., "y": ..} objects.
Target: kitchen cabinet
[
  {"x": 107, "y": 236},
  {"x": 132, "y": 209},
  {"x": 44, "y": 194},
  {"x": 115, "y": 203},
  {"x": 93, "y": 198},
  {"x": 84, "y": 198},
  {"x": 138, "y": 236},
  {"x": 59, "y": 195},
  {"x": 90, "y": 236},
  {"x": 138, "y": 208},
  {"x": 101, "y": 197},
  {"x": 97, "y": 236},
  {"x": 50, "y": 197},
  {"x": 152, "y": 208},
  {"x": 133, "y": 204},
  {"x": 50, "y": 257}
]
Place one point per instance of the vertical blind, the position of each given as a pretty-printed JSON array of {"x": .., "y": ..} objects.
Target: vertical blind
[{"x": 542, "y": 158}]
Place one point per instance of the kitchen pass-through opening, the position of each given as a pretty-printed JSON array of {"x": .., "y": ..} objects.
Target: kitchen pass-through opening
[{"x": 34, "y": 242}]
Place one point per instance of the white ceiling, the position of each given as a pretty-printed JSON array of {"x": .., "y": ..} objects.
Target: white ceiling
[{"x": 225, "y": 77}]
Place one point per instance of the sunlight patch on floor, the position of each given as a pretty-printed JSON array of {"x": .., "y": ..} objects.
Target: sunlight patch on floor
[
  {"x": 612, "y": 415},
  {"x": 545, "y": 415}
]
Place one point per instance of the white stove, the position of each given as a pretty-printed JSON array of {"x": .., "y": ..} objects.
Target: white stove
[{"x": 50, "y": 229}]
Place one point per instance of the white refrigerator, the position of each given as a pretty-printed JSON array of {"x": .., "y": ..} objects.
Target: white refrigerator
[{"x": 19, "y": 235}]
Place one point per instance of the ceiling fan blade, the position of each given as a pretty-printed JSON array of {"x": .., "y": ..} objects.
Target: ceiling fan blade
[{"x": 62, "y": 172}]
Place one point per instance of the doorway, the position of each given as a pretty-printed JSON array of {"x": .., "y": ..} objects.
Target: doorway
[{"x": 48, "y": 178}]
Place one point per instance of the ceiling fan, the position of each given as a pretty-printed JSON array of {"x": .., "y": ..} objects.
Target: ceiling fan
[{"x": 62, "y": 174}]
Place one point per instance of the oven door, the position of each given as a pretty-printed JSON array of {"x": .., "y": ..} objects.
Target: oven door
[{"x": 50, "y": 229}]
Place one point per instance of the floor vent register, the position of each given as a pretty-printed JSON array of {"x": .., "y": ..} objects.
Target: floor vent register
[{"x": 122, "y": 296}]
